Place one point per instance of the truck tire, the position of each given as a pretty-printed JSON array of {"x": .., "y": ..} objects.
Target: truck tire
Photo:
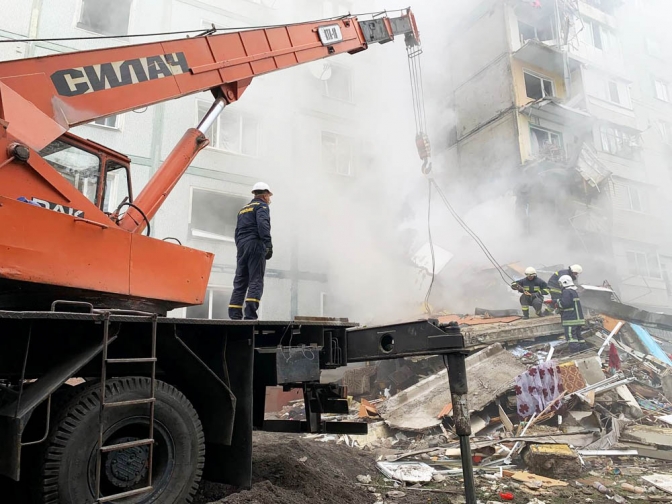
[{"x": 68, "y": 471}]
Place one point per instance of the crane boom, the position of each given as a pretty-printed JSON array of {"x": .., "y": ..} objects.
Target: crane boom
[
  {"x": 77, "y": 88},
  {"x": 43, "y": 164}
]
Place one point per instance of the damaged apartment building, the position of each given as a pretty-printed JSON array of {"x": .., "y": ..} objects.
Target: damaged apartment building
[{"x": 566, "y": 104}]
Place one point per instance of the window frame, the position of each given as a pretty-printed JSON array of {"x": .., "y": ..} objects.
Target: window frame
[
  {"x": 550, "y": 132},
  {"x": 646, "y": 257},
  {"x": 205, "y": 235},
  {"x": 542, "y": 78},
  {"x": 325, "y": 85},
  {"x": 619, "y": 134},
  {"x": 665, "y": 86},
  {"x": 118, "y": 123},
  {"x": 642, "y": 196},
  {"x": 78, "y": 15},
  {"x": 217, "y": 124},
  {"x": 351, "y": 170},
  {"x": 209, "y": 292},
  {"x": 665, "y": 129}
]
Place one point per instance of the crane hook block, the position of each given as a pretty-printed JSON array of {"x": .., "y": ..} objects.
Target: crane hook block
[{"x": 422, "y": 143}]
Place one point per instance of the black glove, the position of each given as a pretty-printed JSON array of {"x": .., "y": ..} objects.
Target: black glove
[{"x": 269, "y": 253}]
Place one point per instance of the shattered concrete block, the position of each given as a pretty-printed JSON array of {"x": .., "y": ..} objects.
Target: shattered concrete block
[
  {"x": 364, "y": 478},
  {"x": 395, "y": 494},
  {"x": 667, "y": 385},
  {"x": 553, "y": 460}
]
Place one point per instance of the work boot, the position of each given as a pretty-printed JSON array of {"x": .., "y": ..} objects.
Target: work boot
[
  {"x": 539, "y": 314},
  {"x": 576, "y": 347}
]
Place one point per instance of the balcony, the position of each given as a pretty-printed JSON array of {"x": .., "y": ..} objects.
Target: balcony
[{"x": 550, "y": 109}]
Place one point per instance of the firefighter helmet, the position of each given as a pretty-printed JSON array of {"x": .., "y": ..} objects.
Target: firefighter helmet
[
  {"x": 566, "y": 281},
  {"x": 530, "y": 271},
  {"x": 576, "y": 268},
  {"x": 261, "y": 186}
]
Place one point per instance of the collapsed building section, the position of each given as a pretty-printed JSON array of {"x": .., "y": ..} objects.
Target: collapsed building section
[{"x": 544, "y": 110}]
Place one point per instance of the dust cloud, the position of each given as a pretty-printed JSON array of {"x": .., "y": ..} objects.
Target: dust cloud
[{"x": 370, "y": 226}]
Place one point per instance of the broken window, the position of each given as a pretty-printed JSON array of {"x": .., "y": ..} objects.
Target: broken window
[
  {"x": 662, "y": 90},
  {"x": 232, "y": 131},
  {"x": 538, "y": 87},
  {"x": 541, "y": 30},
  {"x": 109, "y": 121},
  {"x": 214, "y": 214},
  {"x": 618, "y": 141},
  {"x": 339, "y": 84},
  {"x": 215, "y": 305},
  {"x": 546, "y": 144},
  {"x": 643, "y": 264},
  {"x": 337, "y": 153},
  {"x": 105, "y": 17}
]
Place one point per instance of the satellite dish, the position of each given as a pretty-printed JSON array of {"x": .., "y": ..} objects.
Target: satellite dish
[{"x": 320, "y": 69}]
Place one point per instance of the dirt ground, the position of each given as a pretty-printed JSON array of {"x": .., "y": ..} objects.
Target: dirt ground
[{"x": 329, "y": 475}]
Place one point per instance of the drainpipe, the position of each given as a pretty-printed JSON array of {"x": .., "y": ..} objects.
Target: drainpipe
[{"x": 565, "y": 54}]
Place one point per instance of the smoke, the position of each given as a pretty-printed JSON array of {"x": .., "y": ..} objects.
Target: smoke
[{"x": 378, "y": 220}]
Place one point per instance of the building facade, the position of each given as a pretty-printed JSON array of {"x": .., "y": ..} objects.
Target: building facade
[
  {"x": 296, "y": 130},
  {"x": 566, "y": 103}
]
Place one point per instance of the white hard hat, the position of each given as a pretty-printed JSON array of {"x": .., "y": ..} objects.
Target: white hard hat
[
  {"x": 261, "y": 186},
  {"x": 576, "y": 268},
  {"x": 530, "y": 271},
  {"x": 566, "y": 281}
]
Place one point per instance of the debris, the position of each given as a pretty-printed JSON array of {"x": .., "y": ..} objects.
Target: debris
[
  {"x": 553, "y": 460},
  {"x": 490, "y": 373},
  {"x": 662, "y": 481},
  {"x": 408, "y": 472},
  {"x": 600, "y": 487},
  {"x": 506, "y": 422},
  {"x": 364, "y": 478},
  {"x": 366, "y": 409},
  {"x": 395, "y": 494},
  {"x": 303, "y": 459},
  {"x": 607, "y": 453},
  {"x": 507, "y": 496},
  {"x": 633, "y": 489},
  {"x": 611, "y": 335},
  {"x": 524, "y": 476}
]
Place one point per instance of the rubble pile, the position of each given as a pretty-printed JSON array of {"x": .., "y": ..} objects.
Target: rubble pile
[{"x": 546, "y": 423}]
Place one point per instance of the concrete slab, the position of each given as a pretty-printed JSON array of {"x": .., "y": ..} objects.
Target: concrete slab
[
  {"x": 486, "y": 334},
  {"x": 490, "y": 373}
]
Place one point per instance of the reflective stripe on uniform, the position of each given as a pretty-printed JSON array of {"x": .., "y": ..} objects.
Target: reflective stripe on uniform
[
  {"x": 573, "y": 322},
  {"x": 252, "y": 300},
  {"x": 525, "y": 308},
  {"x": 236, "y": 306}
]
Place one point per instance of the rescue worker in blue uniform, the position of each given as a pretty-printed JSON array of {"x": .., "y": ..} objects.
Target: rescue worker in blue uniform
[
  {"x": 571, "y": 314},
  {"x": 554, "y": 284},
  {"x": 532, "y": 289},
  {"x": 254, "y": 248}
]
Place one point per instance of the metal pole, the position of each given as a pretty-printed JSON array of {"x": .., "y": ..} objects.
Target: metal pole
[
  {"x": 457, "y": 376},
  {"x": 212, "y": 115}
]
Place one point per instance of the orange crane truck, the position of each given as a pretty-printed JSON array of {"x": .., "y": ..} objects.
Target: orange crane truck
[{"x": 103, "y": 398}]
